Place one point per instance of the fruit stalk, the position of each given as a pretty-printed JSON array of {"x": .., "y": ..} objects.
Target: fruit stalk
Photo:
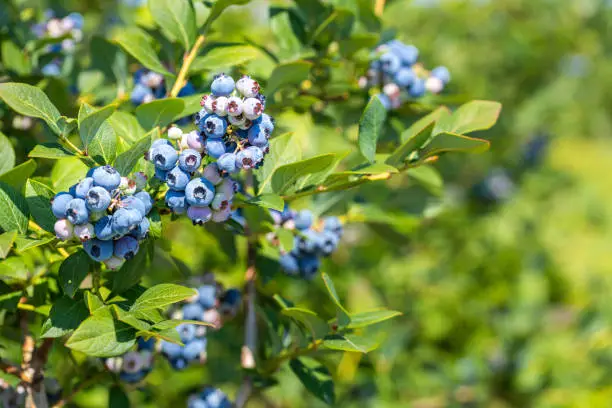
[{"x": 182, "y": 75}]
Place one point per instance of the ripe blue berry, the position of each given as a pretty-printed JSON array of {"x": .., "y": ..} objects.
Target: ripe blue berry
[
  {"x": 214, "y": 126},
  {"x": 98, "y": 250},
  {"x": 199, "y": 215},
  {"x": 289, "y": 263},
  {"x": 309, "y": 266},
  {"x": 125, "y": 219},
  {"x": 177, "y": 179},
  {"x": 442, "y": 73},
  {"x": 104, "y": 228},
  {"x": 333, "y": 224},
  {"x": 164, "y": 157},
  {"x": 303, "y": 220},
  {"x": 215, "y": 148},
  {"x": 223, "y": 85},
  {"x": 186, "y": 331},
  {"x": 227, "y": 163},
  {"x": 175, "y": 200},
  {"x": 142, "y": 230},
  {"x": 190, "y": 160},
  {"x": 405, "y": 77},
  {"x": 160, "y": 142},
  {"x": 193, "y": 311},
  {"x": 97, "y": 199},
  {"x": 59, "y": 204},
  {"x": 160, "y": 174},
  {"x": 207, "y": 296},
  {"x": 390, "y": 63},
  {"x": 146, "y": 199},
  {"x": 76, "y": 211},
  {"x": 329, "y": 242},
  {"x": 194, "y": 349},
  {"x": 199, "y": 192},
  {"x": 106, "y": 177},
  {"x": 417, "y": 89},
  {"x": 83, "y": 187},
  {"x": 258, "y": 136},
  {"x": 126, "y": 247},
  {"x": 171, "y": 350}
]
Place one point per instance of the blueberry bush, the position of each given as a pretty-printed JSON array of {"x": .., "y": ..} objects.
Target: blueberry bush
[{"x": 150, "y": 144}]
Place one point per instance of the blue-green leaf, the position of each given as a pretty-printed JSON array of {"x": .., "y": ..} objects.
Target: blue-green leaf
[
  {"x": 159, "y": 113},
  {"x": 370, "y": 127},
  {"x": 176, "y": 18},
  {"x": 29, "y": 100}
]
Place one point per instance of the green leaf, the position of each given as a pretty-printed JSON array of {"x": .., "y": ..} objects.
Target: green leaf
[
  {"x": 127, "y": 127},
  {"x": 137, "y": 43},
  {"x": 131, "y": 319},
  {"x": 17, "y": 176},
  {"x": 92, "y": 302},
  {"x": 15, "y": 58},
  {"x": 13, "y": 210},
  {"x": 117, "y": 397},
  {"x": 370, "y": 127},
  {"x": 284, "y": 149},
  {"x": 428, "y": 177},
  {"x": 13, "y": 268},
  {"x": 28, "y": 100},
  {"x": 221, "y": 57},
  {"x": 103, "y": 147},
  {"x": 156, "y": 224},
  {"x": 38, "y": 196},
  {"x": 23, "y": 244},
  {"x": 50, "y": 151},
  {"x": 291, "y": 73},
  {"x": 8, "y": 154},
  {"x": 286, "y": 238},
  {"x": 73, "y": 271},
  {"x": 316, "y": 379},
  {"x": 66, "y": 172},
  {"x": 127, "y": 160},
  {"x": 365, "y": 319},
  {"x": 65, "y": 316},
  {"x": 472, "y": 116},
  {"x": 449, "y": 142},
  {"x": 316, "y": 326},
  {"x": 131, "y": 272},
  {"x": 343, "y": 315},
  {"x": 286, "y": 178},
  {"x": 162, "y": 295},
  {"x": 176, "y": 18},
  {"x": 101, "y": 335},
  {"x": 358, "y": 41},
  {"x": 268, "y": 201},
  {"x": 6, "y": 243},
  {"x": 91, "y": 121},
  {"x": 416, "y": 136},
  {"x": 350, "y": 342},
  {"x": 173, "y": 323},
  {"x": 217, "y": 8},
  {"x": 159, "y": 113}
]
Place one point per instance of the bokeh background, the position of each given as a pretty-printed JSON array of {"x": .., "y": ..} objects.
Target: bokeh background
[{"x": 503, "y": 272}]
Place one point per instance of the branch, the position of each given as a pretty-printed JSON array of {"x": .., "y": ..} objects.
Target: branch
[
  {"x": 182, "y": 75},
  {"x": 12, "y": 369}
]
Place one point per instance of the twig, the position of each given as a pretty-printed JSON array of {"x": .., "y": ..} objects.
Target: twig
[
  {"x": 13, "y": 370},
  {"x": 244, "y": 393},
  {"x": 182, "y": 75},
  {"x": 379, "y": 7}
]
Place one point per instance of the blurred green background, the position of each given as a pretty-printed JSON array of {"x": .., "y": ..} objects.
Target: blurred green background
[{"x": 505, "y": 301}]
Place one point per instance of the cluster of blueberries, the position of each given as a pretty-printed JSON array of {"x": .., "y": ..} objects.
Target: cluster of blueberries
[
  {"x": 70, "y": 28},
  {"x": 313, "y": 240},
  {"x": 211, "y": 305},
  {"x": 204, "y": 195},
  {"x": 107, "y": 213},
  {"x": 209, "y": 398},
  {"x": 399, "y": 75},
  {"x": 133, "y": 366},
  {"x": 233, "y": 127},
  {"x": 149, "y": 86}
]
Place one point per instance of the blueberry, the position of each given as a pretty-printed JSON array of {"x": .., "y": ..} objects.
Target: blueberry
[
  {"x": 164, "y": 157},
  {"x": 52, "y": 69},
  {"x": 175, "y": 133},
  {"x": 212, "y": 174},
  {"x": 385, "y": 100},
  {"x": 333, "y": 224},
  {"x": 140, "y": 93},
  {"x": 215, "y": 398},
  {"x": 289, "y": 263},
  {"x": 248, "y": 87},
  {"x": 222, "y": 215},
  {"x": 133, "y": 203},
  {"x": 131, "y": 378},
  {"x": 220, "y": 106},
  {"x": 199, "y": 215},
  {"x": 146, "y": 199},
  {"x": 175, "y": 200},
  {"x": 442, "y": 74},
  {"x": 258, "y": 136},
  {"x": 220, "y": 202},
  {"x": 177, "y": 179},
  {"x": 207, "y": 296},
  {"x": 83, "y": 187},
  {"x": 215, "y": 148},
  {"x": 231, "y": 298},
  {"x": 237, "y": 121},
  {"x": 408, "y": 54},
  {"x": 267, "y": 123},
  {"x": 193, "y": 311},
  {"x": 234, "y": 106},
  {"x": 142, "y": 230},
  {"x": 76, "y": 211},
  {"x": 195, "y": 141},
  {"x": 160, "y": 142},
  {"x": 106, "y": 177},
  {"x": 390, "y": 63},
  {"x": 303, "y": 220},
  {"x": 227, "y": 163},
  {"x": 63, "y": 229},
  {"x": 132, "y": 362},
  {"x": 77, "y": 20},
  {"x": 405, "y": 77},
  {"x": 308, "y": 242},
  {"x": 186, "y": 331},
  {"x": 126, "y": 247},
  {"x": 84, "y": 232},
  {"x": 417, "y": 89},
  {"x": 171, "y": 350},
  {"x": 223, "y": 85},
  {"x": 125, "y": 219},
  {"x": 97, "y": 199},
  {"x": 98, "y": 250},
  {"x": 199, "y": 192},
  {"x": 256, "y": 153},
  {"x": 178, "y": 363},
  {"x": 160, "y": 174},
  {"x": 245, "y": 160},
  {"x": 59, "y": 204},
  {"x": 190, "y": 160},
  {"x": 228, "y": 188},
  {"x": 214, "y": 126},
  {"x": 194, "y": 349},
  {"x": 252, "y": 108},
  {"x": 104, "y": 228},
  {"x": 309, "y": 266},
  {"x": 197, "y": 403},
  {"x": 329, "y": 242},
  {"x": 143, "y": 344}
]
